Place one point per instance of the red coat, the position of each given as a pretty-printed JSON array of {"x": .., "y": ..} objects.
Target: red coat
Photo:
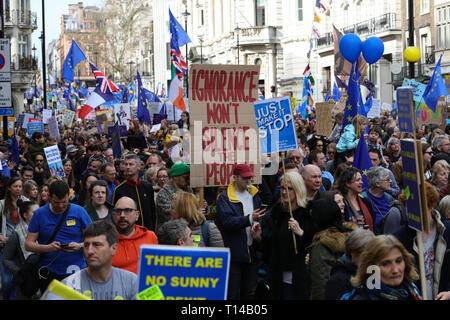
[{"x": 127, "y": 255}]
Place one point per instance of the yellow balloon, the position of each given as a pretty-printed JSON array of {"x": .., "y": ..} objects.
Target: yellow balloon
[{"x": 412, "y": 54}]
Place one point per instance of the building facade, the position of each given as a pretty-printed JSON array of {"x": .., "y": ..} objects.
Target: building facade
[
  {"x": 82, "y": 24},
  {"x": 20, "y": 23}
]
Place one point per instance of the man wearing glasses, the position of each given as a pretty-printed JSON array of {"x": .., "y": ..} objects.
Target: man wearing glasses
[{"x": 131, "y": 235}]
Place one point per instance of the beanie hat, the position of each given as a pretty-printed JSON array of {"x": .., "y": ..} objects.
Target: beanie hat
[{"x": 179, "y": 168}]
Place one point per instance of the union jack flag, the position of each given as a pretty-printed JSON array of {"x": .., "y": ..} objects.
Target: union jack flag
[
  {"x": 104, "y": 84},
  {"x": 178, "y": 61}
]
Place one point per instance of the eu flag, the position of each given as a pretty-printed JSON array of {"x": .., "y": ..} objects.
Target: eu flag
[
  {"x": 143, "y": 113},
  {"x": 351, "y": 107},
  {"x": 15, "y": 150},
  {"x": 435, "y": 88},
  {"x": 151, "y": 97},
  {"x": 74, "y": 57},
  {"x": 336, "y": 93},
  {"x": 179, "y": 35},
  {"x": 362, "y": 161}
]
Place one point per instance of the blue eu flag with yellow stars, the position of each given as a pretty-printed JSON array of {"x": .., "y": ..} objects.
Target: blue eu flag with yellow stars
[
  {"x": 74, "y": 57},
  {"x": 143, "y": 113},
  {"x": 435, "y": 88},
  {"x": 362, "y": 161},
  {"x": 351, "y": 107}
]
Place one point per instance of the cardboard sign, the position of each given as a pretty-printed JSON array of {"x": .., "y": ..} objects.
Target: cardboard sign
[
  {"x": 405, "y": 110},
  {"x": 185, "y": 273},
  {"x": 276, "y": 125},
  {"x": 324, "y": 125},
  {"x": 54, "y": 161},
  {"x": 223, "y": 126},
  {"x": 424, "y": 115}
]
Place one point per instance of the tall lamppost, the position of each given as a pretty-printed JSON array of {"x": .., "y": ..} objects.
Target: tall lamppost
[
  {"x": 186, "y": 14},
  {"x": 237, "y": 29},
  {"x": 35, "y": 74},
  {"x": 44, "y": 71},
  {"x": 131, "y": 75}
]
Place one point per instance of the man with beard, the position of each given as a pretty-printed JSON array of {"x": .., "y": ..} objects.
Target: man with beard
[
  {"x": 100, "y": 280},
  {"x": 131, "y": 236}
]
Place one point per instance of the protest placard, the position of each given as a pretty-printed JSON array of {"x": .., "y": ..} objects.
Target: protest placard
[
  {"x": 324, "y": 125},
  {"x": 223, "y": 127},
  {"x": 276, "y": 125},
  {"x": 33, "y": 127},
  {"x": 122, "y": 113},
  {"x": 53, "y": 128},
  {"x": 424, "y": 115},
  {"x": 46, "y": 115},
  {"x": 417, "y": 88},
  {"x": 405, "y": 110},
  {"x": 375, "y": 110},
  {"x": 68, "y": 118},
  {"x": 185, "y": 273},
  {"x": 27, "y": 116},
  {"x": 54, "y": 161}
]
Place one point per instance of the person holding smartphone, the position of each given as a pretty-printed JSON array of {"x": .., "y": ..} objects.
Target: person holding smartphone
[{"x": 239, "y": 210}]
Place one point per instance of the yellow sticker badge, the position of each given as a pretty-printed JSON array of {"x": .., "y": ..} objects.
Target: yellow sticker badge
[{"x": 71, "y": 223}]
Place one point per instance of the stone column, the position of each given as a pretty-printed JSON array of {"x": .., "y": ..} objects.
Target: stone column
[{"x": 271, "y": 77}]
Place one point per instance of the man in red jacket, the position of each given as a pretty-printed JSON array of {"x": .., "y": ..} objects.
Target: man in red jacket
[{"x": 131, "y": 236}]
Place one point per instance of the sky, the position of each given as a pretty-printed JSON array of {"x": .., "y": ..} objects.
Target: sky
[{"x": 53, "y": 11}]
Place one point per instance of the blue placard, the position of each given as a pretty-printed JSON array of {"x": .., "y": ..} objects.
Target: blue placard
[
  {"x": 417, "y": 87},
  {"x": 411, "y": 184},
  {"x": 6, "y": 112},
  {"x": 276, "y": 125},
  {"x": 35, "y": 127},
  {"x": 122, "y": 130},
  {"x": 185, "y": 273},
  {"x": 405, "y": 110}
]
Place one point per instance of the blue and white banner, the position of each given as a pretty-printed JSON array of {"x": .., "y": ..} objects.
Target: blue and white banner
[
  {"x": 276, "y": 125},
  {"x": 185, "y": 273}
]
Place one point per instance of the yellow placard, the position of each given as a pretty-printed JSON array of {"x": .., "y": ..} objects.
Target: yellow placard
[{"x": 151, "y": 293}]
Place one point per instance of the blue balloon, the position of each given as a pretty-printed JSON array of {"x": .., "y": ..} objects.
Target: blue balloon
[
  {"x": 350, "y": 47},
  {"x": 372, "y": 49}
]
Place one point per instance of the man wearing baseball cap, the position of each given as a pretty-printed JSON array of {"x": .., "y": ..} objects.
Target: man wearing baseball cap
[{"x": 239, "y": 212}]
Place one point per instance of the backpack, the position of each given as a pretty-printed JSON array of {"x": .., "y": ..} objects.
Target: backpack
[
  {"x": 403, "y": 215},
  {"x": 205, "y": 232}
]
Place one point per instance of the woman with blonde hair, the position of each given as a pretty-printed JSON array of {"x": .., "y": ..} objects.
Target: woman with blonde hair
[
  {"x": 385, "y": 256},
  {"x": 205, "y": 233},
  {"x": 30, "y": 190},
  {"x": 439, "y": 174},
  {"x": 286, "y": 241}
]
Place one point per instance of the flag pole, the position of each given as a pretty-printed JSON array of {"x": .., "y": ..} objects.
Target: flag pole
[{"x": 289, "y": 201}]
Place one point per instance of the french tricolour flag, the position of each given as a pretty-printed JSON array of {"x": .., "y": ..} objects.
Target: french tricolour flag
[{"x": 101, "y": 94}]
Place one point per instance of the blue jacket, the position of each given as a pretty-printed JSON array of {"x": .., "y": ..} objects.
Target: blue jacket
[
  {"x": 232, "y": 222},
  {"x": 348, "y": 139}
]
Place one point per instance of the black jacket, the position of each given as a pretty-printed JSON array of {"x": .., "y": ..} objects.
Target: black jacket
[
  {"x": 280, "y": 254},
  {"x": 142, "y": 193},
  {"x": 339, "y": 282}
]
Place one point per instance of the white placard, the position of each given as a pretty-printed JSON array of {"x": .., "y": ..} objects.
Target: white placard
[{"x": 375, "y": 110}]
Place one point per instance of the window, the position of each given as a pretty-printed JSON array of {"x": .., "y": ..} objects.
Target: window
[
  {"x": 300, "y": 10},
  {"x": 23, "y": 46},
  {"x": 424, "y": 6},
  {"x": 443, "y": 27},
  {"x": 260, "y": 13}
]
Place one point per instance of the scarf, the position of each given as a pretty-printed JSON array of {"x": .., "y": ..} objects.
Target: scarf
[
  {"x": 407, "y": 291},
  {"x": 21, "y": 230}
]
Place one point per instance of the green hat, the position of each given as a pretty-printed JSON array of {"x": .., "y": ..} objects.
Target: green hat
[{"x": 179, "y": 168}]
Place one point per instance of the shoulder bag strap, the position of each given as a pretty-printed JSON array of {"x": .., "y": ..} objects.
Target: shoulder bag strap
[{"x": 59, "y": 224}]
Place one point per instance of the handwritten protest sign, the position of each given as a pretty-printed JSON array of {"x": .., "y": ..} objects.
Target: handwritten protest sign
[
  {"x": 324, "y": 125},
  {"x": 424, "y": 115},
  {"x": 375, "y": 110},
  {"x": 223, "y": 127},
  {"x": 184, "y": 273},
  {"x": 276, "y": 125},
  {"x": 417, "y": 87},
  {"x": 54, "y": 161}
]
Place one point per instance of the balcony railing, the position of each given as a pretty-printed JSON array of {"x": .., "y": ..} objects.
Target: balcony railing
[
  {"x": 419, "y": 74},
  {"x": 22, "y": 18},
  {"x": 24, "y": 64},
  {"x": 429, "y": 55},
  {"x": 385, "y": 22}
]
